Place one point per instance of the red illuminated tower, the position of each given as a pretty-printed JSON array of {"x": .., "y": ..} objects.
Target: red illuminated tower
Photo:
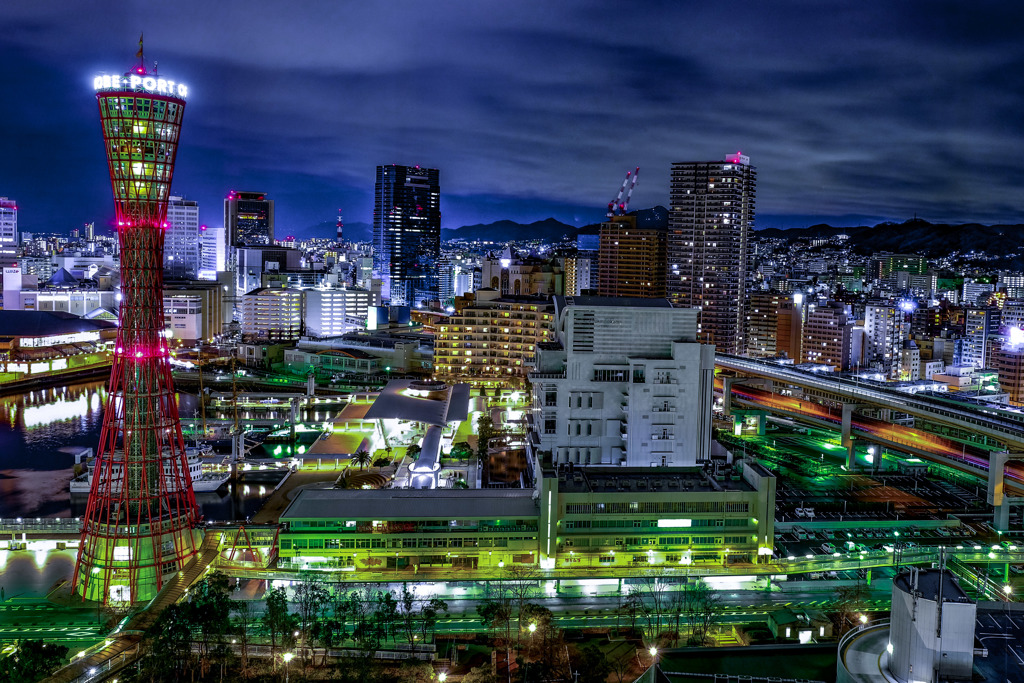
[{"x": 141, "y": 520}]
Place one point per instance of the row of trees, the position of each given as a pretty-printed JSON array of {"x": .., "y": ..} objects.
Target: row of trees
[
  {"x": 195, "y": 635},
  {"x": 656, "y": 607}
]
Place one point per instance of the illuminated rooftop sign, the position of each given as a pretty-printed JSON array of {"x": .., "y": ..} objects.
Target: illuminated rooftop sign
[{"x": 157, "y": 86}]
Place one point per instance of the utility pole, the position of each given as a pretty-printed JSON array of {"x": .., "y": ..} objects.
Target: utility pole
[{"x": 202, "y": 395}]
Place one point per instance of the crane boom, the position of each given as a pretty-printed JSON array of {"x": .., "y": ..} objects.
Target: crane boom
[
  {"x": 629, "y": 195},
  {"x": 617, "y": 207}
]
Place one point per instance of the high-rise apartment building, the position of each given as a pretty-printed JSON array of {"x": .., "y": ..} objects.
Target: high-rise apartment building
[
  {"x": 828, "y": 336},
  {"x": 407, "y": 231},
  {"x": 587, "y": 248},
  {"x": 492, "y": 341},
  {"x": 631, "y": 260},
  {"x": 8, "y": 221},
  {"x": 249, "y": 219},
  {"x": 182, "y": 239},
  {"x": 710, "y": 220},
  {"x": 762, "y": 323},
  {"x": 884, "y": 332},
  {"x": 981, "y": 324}
]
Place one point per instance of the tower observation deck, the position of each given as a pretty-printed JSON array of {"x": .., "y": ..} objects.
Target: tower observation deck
[{"x": 141, "y": 517}]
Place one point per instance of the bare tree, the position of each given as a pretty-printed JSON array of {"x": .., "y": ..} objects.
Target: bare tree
[
  {"x": 848, "y": 602},
  {"x": 245, "y": 622},
  {"x": 407, "y": 610},
  {"x": 650, "y": 596},
  {"x": 702, "y": 609},
  {"x": 520, "y": 584}
]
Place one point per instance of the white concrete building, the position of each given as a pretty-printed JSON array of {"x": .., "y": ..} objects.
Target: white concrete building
[
  {"x": 8, "y": 221},
  {"x": 213, "y": 252},
  {"x": 333, "y": 312},
  {"x": 625, "y": 384},
  {"x": 272, "y": 313}
]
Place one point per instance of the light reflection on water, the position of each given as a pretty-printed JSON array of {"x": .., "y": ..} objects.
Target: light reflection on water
[
  {"x": 32, "y": 574},
  {"x": 39, "y": 431}
]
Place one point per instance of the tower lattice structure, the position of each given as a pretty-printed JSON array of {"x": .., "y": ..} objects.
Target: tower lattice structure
[{"x": 141, "y": 521}]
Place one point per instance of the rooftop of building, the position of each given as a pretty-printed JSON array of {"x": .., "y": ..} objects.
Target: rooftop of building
[
  {"x": 643, "y": 480},
  {"x": 47, "y": 323},
  {"x": 434, "y": 403},
  {"x": 621, "y": 301},
  {"x": 408, "y": 504},
  {"x": 386, "y": 338},
  {"x": 928, "y": 583}
]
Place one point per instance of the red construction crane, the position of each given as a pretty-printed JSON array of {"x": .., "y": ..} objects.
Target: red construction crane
[{"x": 617, "y": 207}]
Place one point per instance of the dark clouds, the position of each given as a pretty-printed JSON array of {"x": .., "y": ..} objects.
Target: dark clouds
[{"x": 872, "y": 109}]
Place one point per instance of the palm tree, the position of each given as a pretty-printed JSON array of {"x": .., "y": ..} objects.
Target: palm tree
[{"x": 361, "y": 458}]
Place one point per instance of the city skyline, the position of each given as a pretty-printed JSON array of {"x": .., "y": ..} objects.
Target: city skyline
[{"x": 863, "y": 114}]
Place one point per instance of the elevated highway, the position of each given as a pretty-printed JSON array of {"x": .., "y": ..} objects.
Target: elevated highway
[{"x": 979, "y": 421}]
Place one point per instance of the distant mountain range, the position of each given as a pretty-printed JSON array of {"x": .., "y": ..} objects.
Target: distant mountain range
[
  {"x": 921, "y": 237},
  {"x": 913, "y": 237}
]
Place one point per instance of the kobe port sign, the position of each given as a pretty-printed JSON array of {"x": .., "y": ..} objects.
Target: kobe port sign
[{"x": 160, "y": 86}]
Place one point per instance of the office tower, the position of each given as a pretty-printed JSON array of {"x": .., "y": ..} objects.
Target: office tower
[
  {"x": 828, "y": 336},
  {"x": 213, "y": 251},
  {"x": 982, "y": 323},
  {"x": 884, "y": 331},
  {"x": 182, "y": 239},
  {"x": 710, "y": 220},
  {"x": 631, "y": 260},
  {"x": 8, "y": 221},
  {"x": 249, "y": 219},
  {"x": 407, "y": 231},
  {"x": 623, "y": 383},
  {"x": 140, "y": 524},
  {"x": 334, "y": 312}
]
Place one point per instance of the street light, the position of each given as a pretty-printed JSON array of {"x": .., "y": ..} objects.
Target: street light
[
  {"x": 532, "y": 628},
  {"x": 287, "y": 657}
]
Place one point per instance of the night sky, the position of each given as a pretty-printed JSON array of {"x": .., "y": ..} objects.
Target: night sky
[{"x": 852, "y": 112}]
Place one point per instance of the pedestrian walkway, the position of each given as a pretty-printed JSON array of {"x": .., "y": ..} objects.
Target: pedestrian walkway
[{"x": 122, "y": 647}]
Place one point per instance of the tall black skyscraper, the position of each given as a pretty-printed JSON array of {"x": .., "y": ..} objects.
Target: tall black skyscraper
[
  {"x": 708, "y": 241},
  {"x": 407, "y": 231},
  {"x": 249, "y": 219}
]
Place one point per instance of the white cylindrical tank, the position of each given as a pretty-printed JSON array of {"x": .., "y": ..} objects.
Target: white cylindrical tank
[{"x": 931, "y": 636}]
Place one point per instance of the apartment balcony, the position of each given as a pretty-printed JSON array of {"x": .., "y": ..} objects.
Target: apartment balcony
[{"x": 547, "y": 375}]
